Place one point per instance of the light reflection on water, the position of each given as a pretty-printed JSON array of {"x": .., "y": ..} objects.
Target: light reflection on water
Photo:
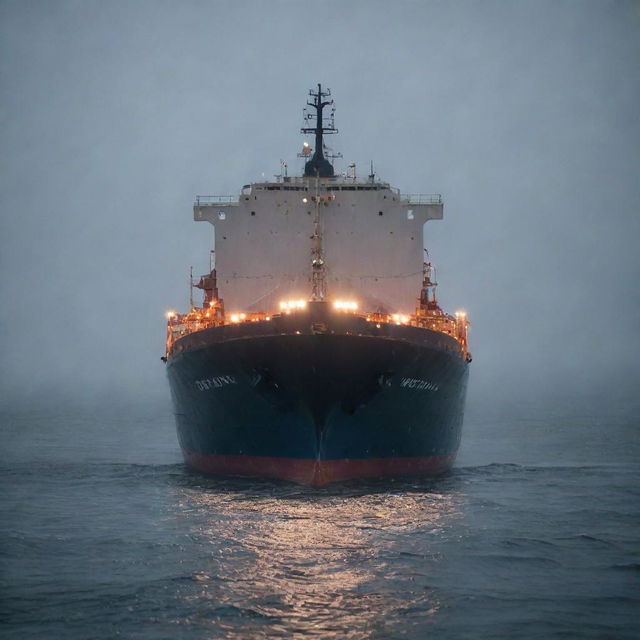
[{"x": 345, "y": 563}]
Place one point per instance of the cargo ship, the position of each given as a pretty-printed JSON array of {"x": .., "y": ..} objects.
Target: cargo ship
[{"x": 319, "y": 352}]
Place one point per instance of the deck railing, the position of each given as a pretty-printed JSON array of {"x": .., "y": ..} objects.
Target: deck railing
[
  {"x": 412, "y": 198},
  {"x": 198, "y": 319},
  {"x": 422, "y": 198},
  {"x": 213, "y": 200}
]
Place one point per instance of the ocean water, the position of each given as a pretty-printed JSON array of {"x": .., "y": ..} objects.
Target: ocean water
[{"x": 535, "y": 534}]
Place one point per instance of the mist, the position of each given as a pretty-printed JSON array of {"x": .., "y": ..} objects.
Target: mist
[{"x": 524, "y": 116}]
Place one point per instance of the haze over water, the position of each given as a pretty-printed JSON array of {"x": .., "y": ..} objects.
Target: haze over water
[{"x": 523, "y": 115}]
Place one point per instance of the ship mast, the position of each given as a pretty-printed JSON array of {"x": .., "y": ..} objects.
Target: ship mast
[{"x": 319, "y": 166}]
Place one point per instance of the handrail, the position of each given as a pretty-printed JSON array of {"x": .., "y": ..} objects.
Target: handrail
[
  {"x": 206, "y": 200},
  {"x": 422, "y": 198},
  {"x": 339, "y": 179},
  {"x": 413, "y": 198}
]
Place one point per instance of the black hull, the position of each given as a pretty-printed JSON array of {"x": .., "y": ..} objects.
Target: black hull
[{"x": 318, "y": 396}]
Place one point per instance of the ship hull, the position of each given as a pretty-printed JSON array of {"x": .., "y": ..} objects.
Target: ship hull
[{"x": 317, "y": 397}]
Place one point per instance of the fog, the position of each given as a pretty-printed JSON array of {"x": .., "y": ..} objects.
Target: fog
[{"x": 523, "y": 115}]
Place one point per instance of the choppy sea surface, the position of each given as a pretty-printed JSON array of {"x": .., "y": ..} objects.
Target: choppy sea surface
[{"x": 105, "y": 534}]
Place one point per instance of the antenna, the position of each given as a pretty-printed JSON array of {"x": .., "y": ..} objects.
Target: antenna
[
  {"x": 283, "y": 172},
  {"x": 191, "y": 287}
]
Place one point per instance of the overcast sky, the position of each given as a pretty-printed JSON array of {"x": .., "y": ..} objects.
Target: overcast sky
[{"x": 114, "y": 115}]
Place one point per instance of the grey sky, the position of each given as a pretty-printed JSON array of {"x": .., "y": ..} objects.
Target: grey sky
[{"x": 524, "y": 115}]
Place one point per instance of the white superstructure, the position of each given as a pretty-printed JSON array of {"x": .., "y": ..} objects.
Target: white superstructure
[{"x": 371, "y": 235}]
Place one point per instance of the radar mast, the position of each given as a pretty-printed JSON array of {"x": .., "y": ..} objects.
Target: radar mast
[{"x": 319, "y": 166}]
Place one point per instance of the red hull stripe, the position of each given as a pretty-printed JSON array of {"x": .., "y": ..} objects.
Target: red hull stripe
[{"x": 317, "y": 473}]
